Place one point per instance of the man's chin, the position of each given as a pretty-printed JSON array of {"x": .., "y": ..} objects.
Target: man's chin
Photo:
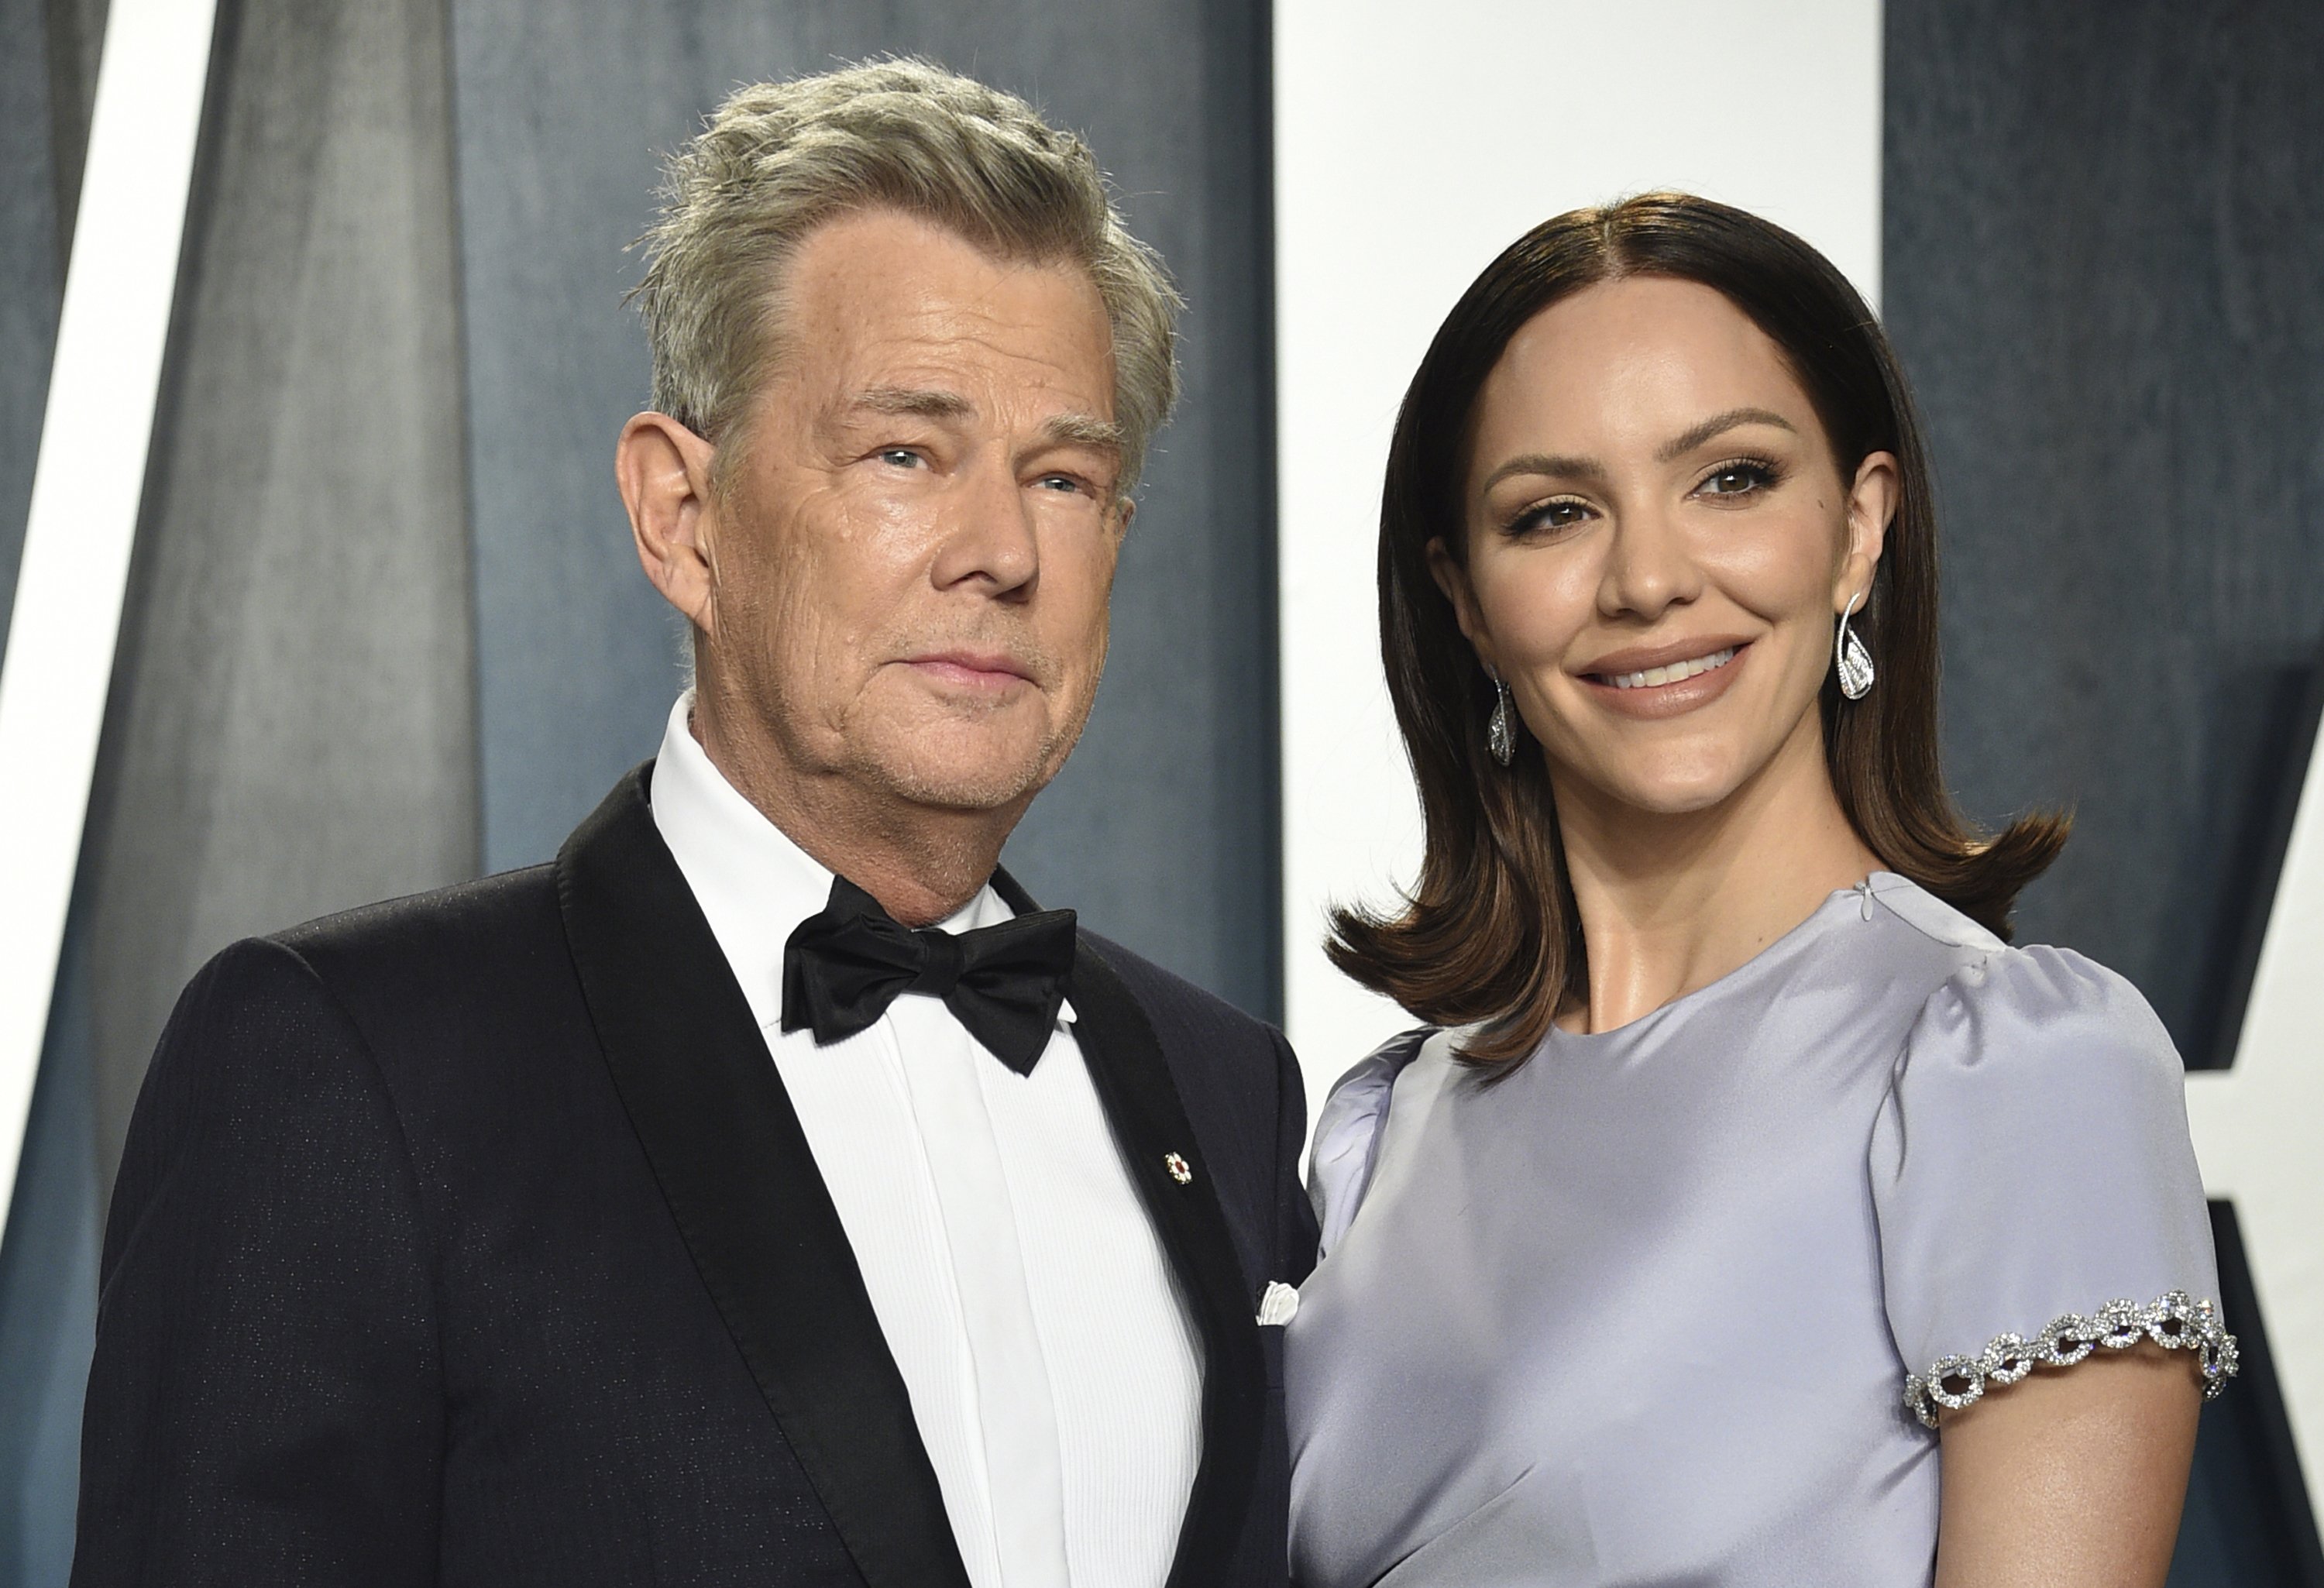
[
  {"x": 968, "y": 785},
  {"x": 963, "y": 763}
]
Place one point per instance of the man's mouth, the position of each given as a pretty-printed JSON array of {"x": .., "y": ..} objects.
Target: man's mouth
[
  {"x": 978, "y": 670},
  {"x": 1669, "y": 673}
]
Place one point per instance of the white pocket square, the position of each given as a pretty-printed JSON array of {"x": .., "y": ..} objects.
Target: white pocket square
[{"x": 1279, "y": 1305}]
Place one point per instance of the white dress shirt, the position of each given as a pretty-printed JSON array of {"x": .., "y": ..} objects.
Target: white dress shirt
[{"x": 1054, "y": 1374}]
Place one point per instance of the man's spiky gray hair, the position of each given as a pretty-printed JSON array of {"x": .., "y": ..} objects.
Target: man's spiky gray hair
[{"x": 777, "y": 159}]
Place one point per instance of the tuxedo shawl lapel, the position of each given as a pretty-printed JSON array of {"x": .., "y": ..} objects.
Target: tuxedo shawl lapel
[
  {"x": 733, "y": 1164},
  {"x": 1134, "y": 1086}
]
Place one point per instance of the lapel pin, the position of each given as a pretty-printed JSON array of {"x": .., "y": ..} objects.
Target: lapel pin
[{"x": 1178, "y": 1168}]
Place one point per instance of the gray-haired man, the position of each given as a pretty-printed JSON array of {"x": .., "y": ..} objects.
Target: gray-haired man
[{"x": 767, "y": 1191}]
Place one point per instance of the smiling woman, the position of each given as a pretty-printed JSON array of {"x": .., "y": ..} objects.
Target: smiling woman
[
  {"x": 1494, "y": 881},
  {"x": 1741, "y": 1154}
]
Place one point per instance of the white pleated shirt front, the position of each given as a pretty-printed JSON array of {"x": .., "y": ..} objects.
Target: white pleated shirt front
[{"x": 1054, "y": 1374}]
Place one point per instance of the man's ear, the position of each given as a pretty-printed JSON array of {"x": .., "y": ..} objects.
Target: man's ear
[
  {"x": 1454, "y": 580},
  {"x": 1872, "y": 500},
  {"x": 663, "y": 471}
]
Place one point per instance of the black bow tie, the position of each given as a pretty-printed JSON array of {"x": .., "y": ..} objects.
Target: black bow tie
[{"x": 843, "y": 968}]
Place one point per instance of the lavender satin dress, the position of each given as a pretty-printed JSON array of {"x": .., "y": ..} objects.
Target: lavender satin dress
[{"x": 1668, "y": 1305}]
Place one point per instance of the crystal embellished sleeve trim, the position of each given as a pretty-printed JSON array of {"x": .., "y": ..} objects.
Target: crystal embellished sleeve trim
[{"x": 2175, "y": 1322}]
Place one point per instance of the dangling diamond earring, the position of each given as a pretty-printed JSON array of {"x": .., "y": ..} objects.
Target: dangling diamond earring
[
  {"x": 1500, "y": 734},
  {"x": 1849, "y": 655}
]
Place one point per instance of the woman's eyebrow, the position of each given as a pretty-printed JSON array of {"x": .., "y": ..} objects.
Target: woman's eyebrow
[
  {"x": 1719, "y": 424},
  {"x": 1563, "y": 467},
  {"x": 1543, "y": 463}
]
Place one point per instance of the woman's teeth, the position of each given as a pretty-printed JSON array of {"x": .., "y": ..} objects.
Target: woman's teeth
[{"x": 1672, "y": 674}]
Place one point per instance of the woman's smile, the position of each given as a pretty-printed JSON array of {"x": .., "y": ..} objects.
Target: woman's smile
[
  {"x": 1657, "y": 683},
  {"x": 1640, "y": 669}
]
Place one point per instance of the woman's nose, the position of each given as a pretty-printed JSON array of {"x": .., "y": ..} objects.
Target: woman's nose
[{"x": 1649, "y": 567}]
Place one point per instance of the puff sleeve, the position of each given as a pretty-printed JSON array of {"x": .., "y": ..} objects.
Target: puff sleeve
[
  {"x": 1347, "y": 1134},
  {"x": 2034, "y": 1185}
]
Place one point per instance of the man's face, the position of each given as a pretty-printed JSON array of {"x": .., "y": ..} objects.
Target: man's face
[{"x": 912, "y": 555}]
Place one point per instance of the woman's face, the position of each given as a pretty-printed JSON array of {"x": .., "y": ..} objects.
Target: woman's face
[{"x": 1659, "y": 541}]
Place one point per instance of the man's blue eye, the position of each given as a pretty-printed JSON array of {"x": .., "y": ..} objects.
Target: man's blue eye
[{"x": 900, "y": 456}]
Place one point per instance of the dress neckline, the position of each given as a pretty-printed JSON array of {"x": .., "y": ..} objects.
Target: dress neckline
[{"x": 1857, "y": 896}]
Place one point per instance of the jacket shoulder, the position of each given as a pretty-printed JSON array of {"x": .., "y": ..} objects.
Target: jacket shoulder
[
  {"x": 1176, "y": 1007},
  {"x": 447, "y": 971},
  {"x": 465, "y": 928},
  {"x": 485, "y": 905}
]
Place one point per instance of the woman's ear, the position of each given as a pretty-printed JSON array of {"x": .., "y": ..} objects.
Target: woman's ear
[
  {"x": 1453, "y": 580},
  {"x": 663, "y": 472},
  {"x": 1872, "y": 502}
]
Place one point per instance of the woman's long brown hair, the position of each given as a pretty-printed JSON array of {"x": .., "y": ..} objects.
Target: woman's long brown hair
[{"x": 1491, "y": 935}]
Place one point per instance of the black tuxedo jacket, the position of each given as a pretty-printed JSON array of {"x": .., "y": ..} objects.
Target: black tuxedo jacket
[{"x": 472, "y": 1239}]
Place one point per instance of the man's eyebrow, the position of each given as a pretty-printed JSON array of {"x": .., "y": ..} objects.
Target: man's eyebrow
[
  {"x": 1719, "y": 424},
  {"x": 1073, "y": 429},
  {"x": 917, "y": 402},
  {"x": 1086, "y": 430}
]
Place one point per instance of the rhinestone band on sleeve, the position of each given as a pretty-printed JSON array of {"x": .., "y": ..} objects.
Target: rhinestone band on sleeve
[{"x": 2175, "y": 1322}]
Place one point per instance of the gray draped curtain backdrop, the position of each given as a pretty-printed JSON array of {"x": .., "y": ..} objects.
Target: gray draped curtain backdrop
[
  {"x": 385, "y": 630},
  {"x": 2104, "y": 238}
]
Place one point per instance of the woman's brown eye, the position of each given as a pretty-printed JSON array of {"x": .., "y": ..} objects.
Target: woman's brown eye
[
  {"x": 1548, "y": 516},
  {"x": 1736, "y": 479}
]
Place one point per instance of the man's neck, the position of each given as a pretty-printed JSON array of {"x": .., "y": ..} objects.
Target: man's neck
[{"x": 922, "y": 863}]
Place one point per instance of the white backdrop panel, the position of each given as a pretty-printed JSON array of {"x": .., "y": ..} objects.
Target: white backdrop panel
[{"x": 1412, "y": 144}]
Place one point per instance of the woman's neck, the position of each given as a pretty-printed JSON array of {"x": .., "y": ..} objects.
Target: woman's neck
[{"x": 1670, "y": 903}]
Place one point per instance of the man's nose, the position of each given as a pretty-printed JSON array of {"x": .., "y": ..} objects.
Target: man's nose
[
  {"x": 988, "y": 531},
  {"x": 1649, "y": 567}
]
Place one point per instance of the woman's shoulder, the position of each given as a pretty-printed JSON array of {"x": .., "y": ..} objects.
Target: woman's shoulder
[
  {"x": 2045, "y": 1012},
  {"x": 1991, "y": 999},
  {"x": 1348, "y": 1129},
  {"x": 1929, "y": 916}
]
